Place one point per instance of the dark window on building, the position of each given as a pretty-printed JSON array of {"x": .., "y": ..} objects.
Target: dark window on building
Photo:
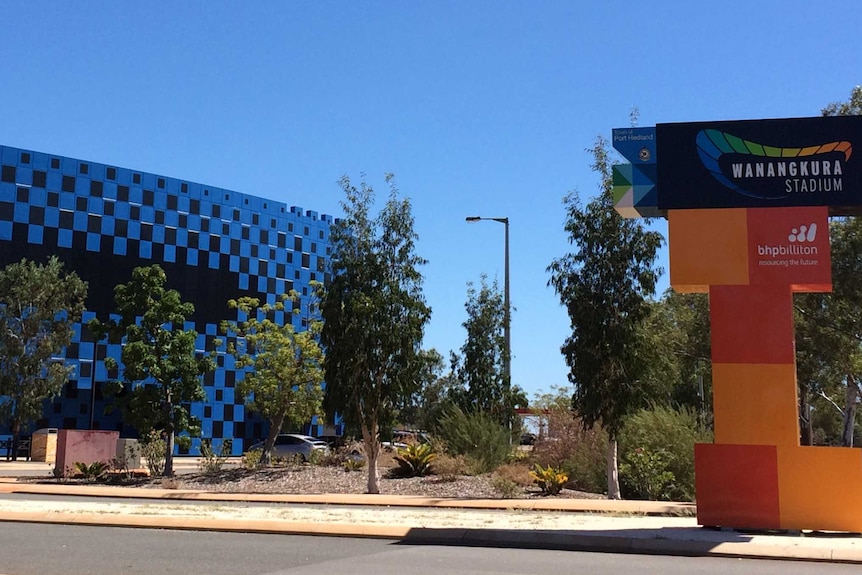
[
  {"x": 320, "y": 234},
  {"x": 95, "y": 188},
  {"x": 184, "y": 221},
  {"x": 272, "y": 221},
  {"x": 81, "y": 204},
  {"x": 68, "y": 184},
  {"x": 296, "y": 274},
  {"x": 55, "y": 163},
  {"x": 109, "y": 208},
  {"x": 288, "y": 285},
  {"x": 135, "y": 213},
  {"x": 195, "y": 207},
  {"x": 160, "y": 217},
  {"x": 37, "y": 215},
  {"x": 8, "y": 174},
  {"x": 23, "y": 195},
  {"x": 236, "y": 215},
  {"x": 218, "y": 429},
  {"x": 280, "y": 270},
  {"x": 161, "y": 183},
  {"x": 264, "y": 237},
  {"x": 25, "y": 157},
  {"x": 290, "y": 257},
  {"x": 94, "y": 224},
  {"x": 234, "y": 247},
  {"x": 111, "y": 173},
  {"x": 184, "y": 188},
  {"x": 243, "y": 265},
  {"x": 321, "y": 264},
  {"x": 149, "y": 197},
  {"x": 171, "y": 236},
  {"x": 282, "y": 240},
  {"x": 67, "y": 220},
  {"x": 306, "y": 263},
  {"x": 172, "y": 202},
  {"x": 289, "y": 227},
  {"x": 297, "y": 244},
  {"x": 272, "y": 253},
  {"x": 305, "y": 231},
  {"x": 254, "y": 250},
  {"x": 53, "y": 199},
  {"x": 147, "y": 232},
  {"x": 39, "y": 179},
  {"x": 193, "y": 239},
  {"x": 313, "y": 277},
  {"x": 313, "y": 248},
  {"x": 86, "y": 369},
  {"x": 121, "y": 228},
  {"x": 205, "y": 225},
  {"x": 225, "y": 229},
  {"x": 84, "y": 168},
  {"x": 206, "y": 192},
  {"x": 246, "y": 231},
  {"x": 216, "y": 211},
  {"x": 208, "y": 411},
  {"x": 255, "y": 219},
  {"x": 219, "y": 395},
  {"x": 136, "y": 178},
  {"x": 123, "y": 193},
  {"x": 263, "y": 270},
  {"x": 215, "y": 242}
]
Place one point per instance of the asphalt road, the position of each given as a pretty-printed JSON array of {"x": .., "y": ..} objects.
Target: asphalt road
[{"x": 41, "y": 549}]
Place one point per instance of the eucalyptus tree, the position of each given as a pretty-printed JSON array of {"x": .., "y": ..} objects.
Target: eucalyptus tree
[
  {"x": 39, "y": 305},
  {"x": 285, "y": 381},
  {"x": 605, "y": 284},
  {"x": 162, "y": 370},
  {"x": 374, "y": 315}
]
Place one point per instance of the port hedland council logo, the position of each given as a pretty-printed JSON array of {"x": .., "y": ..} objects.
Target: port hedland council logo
[{"x": 766, "y": 172}]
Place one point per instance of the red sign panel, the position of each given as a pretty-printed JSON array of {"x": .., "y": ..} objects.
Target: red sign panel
[{"x": 790, "y": 246}]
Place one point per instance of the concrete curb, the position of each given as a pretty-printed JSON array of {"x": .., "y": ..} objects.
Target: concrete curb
[
  {"x": 651, "y": 508},
  {"x": 541, "y": 539}
]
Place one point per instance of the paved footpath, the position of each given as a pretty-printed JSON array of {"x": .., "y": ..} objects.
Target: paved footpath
[{"x": 595, "y": 525}]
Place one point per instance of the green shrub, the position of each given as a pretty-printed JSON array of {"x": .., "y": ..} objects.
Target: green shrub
[
  {"x": 212, "y": 461},
  {"x": 478, "y": 437},
  {"x": 353, "y": 464},
  {"x": 413, "y": 461},
  {"x": 251, "y": 458},
  {"x": 644, "y": 475},
  {"x": 505, "y": 488},
  {"x": 550, "y": 480},
  {"x": 580, "y": 452},
  {"x": 448, "y": 467},
  {"x": 153, "y": 450},
  {"x": 93, "y": 471},
  {"x": 668, "y": 435}
]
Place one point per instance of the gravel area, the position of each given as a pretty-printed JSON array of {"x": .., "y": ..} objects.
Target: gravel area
[{"x": 316, "y": 479}]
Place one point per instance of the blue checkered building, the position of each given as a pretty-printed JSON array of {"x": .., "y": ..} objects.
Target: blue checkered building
[{"x": 214, "y": 244}]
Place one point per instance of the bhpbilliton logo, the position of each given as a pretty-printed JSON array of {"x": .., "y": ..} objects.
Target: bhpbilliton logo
[{"x": 798, "y": 239}]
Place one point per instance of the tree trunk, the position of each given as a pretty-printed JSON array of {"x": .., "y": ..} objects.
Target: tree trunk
[
  {"x": 371, "y": 440},
  {"x": 805, "y": 424},
  {"x": 169, "y": 432},
  {"x": 274, "y": 430},
  {"x": 613, "y": 469},
  {"x": 851, "y": 393},
  {"x": 16, "y": 437}
]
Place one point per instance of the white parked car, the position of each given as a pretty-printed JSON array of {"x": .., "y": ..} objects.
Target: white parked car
[{"x": 291, "y": 444}]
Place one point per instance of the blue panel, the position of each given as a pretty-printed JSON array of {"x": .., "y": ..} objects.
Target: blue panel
[
  {"x": 79, "y": 222},
  {"x": 170, "y": 253},
  {"x": 21, "y": 213},
  {"x": 34, "y": 235},
  {"x": 192, "y": 257},
  {"x": 94, "y": 242},
  {"x": 64, "y": 238},
  {"x": 146, "y": 250}
]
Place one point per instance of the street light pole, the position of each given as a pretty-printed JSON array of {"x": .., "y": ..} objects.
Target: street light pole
[{"x": 507, "y": 320}]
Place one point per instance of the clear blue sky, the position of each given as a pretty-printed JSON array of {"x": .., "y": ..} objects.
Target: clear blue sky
[{"x": 479, "y": 108}]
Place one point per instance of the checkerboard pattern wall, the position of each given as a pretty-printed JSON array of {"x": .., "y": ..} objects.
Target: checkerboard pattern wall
[{"x": 214, "y": 244}]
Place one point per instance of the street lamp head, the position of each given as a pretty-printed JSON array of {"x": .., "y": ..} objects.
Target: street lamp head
[{"x": 472, "y": 219}]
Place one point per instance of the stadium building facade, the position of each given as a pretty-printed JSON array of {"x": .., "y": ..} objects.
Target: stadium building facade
[{"x": 102, "y": 221}]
